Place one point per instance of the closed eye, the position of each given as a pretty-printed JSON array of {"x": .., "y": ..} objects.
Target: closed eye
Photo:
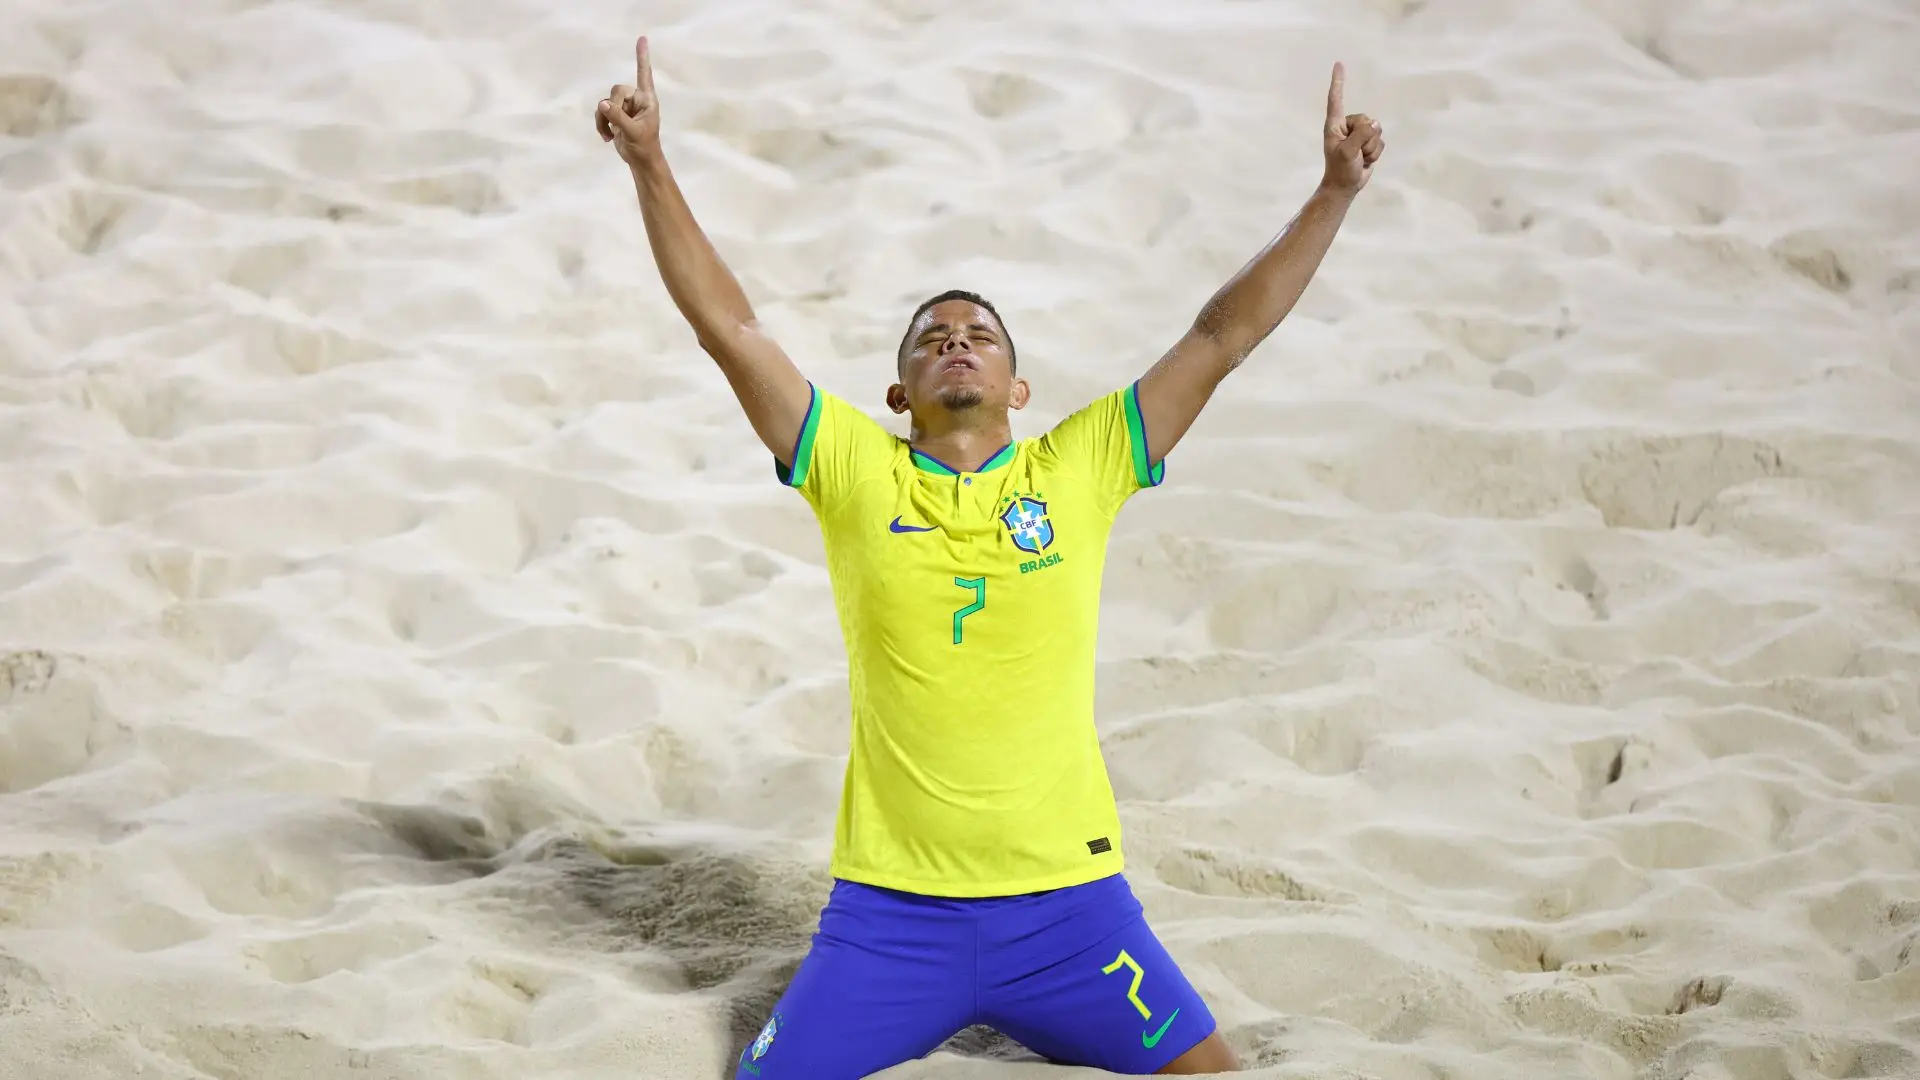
[{"x": 936, "y": 334}]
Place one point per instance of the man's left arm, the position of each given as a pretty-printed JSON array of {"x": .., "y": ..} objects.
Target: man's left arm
[{"x": 1248, "y": 307}]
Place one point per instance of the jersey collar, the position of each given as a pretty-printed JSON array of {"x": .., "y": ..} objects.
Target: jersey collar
[{"x": 928, "y": 463}]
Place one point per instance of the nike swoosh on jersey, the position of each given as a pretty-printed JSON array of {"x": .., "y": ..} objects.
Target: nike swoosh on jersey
[
  {"x": 1153, "y": 1040},
  {"x": 895, "y": 526}
]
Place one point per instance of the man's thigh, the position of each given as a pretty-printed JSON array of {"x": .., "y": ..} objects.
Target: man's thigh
[
  {"x": 1096, "y": 989},
  {"x": 882, "y": 983}
]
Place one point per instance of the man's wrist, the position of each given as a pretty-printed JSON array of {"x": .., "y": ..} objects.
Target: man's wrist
[
  {"x": 651, "y": 167},
  {"x": 1329, "y": 191}
]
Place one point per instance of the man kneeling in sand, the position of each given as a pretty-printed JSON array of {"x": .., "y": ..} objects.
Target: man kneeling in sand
[{"x": 977, "y": 855}]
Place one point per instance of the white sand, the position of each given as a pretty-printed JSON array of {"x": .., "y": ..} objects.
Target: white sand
[{"x": 409, "y": 667}]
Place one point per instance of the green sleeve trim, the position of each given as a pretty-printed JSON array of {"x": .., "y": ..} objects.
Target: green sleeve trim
[
  {"x": 1147, "y": 475},
  {"x": 795, "y": 475}
]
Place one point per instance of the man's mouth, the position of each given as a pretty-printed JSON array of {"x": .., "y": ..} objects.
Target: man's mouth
[{"x": 959, "y": 360}]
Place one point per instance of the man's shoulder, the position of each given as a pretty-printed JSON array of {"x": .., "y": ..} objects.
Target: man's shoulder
[
  {"x": 865, "y": 452},
  {"x": 855, "y": 420}
]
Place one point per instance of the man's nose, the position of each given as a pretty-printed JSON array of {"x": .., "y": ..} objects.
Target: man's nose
[{"x": 953, "y": 341}]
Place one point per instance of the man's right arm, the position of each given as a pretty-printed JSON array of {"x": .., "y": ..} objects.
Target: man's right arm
[
  {"x": 770, "y": 388},
  {"x": 774, "y": 394}
]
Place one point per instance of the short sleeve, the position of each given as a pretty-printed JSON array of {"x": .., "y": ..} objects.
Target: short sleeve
[
  {"x": 838, "y": 446},
  {"x": 1105, "y": 443}
]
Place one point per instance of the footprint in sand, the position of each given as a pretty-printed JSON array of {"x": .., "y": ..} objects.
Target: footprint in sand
[
  {"x": 1562, "y": 585},
  {"x": 1701, "y": 993},
  {"x": 1002, "y": 95},
  {"x": 1515, "y": 948},
  {"x": 36, "y": 105},
  {"x": 53, "y": 724},
  {"x": 1666, "y": 482},
  {"x": 1213, "y": 872}
]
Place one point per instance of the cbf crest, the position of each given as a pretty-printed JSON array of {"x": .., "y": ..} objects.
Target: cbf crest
[
  {"x": 1025, "y": 517},
  {"x": 761, "y": 1044}
]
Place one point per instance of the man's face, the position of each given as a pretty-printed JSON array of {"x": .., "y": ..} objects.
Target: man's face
[{"x": 956, "y": 360}]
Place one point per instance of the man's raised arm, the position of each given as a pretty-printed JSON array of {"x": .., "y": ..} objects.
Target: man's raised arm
[
  {"x": 770, "y": 388},
  {"x": 1247, "y": 308}
]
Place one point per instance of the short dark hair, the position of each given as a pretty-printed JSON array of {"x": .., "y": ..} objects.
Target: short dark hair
[{"x": 906, "y": 342}]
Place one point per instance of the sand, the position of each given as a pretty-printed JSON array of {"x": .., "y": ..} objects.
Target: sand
[{"x": 410, "y": 668}]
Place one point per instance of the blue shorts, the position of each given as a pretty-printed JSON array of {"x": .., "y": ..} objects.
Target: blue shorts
[{"x": 1072, "y": 974}]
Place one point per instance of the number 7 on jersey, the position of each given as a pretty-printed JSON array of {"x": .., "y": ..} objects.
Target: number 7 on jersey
[{"x": 979, "y": 587}]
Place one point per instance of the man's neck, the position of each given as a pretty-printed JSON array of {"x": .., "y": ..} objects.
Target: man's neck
[{"x": 963, "y": 441}]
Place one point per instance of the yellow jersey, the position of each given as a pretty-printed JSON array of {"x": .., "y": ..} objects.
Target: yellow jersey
[{"x": 970, "y": 604}]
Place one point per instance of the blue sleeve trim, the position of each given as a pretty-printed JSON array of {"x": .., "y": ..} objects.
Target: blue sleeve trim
[
  {"x": 795, "y": 475},
  {"x": 1146, "y": 474}
]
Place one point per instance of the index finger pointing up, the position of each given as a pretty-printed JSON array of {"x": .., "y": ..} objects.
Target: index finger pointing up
[
  {"x": 643, "y": 73},
  {"x": 1336, "y": 106}
]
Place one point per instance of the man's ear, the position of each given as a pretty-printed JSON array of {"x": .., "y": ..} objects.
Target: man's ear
[
  {"x": 897, "y": 398},
  {"x": 1018, "y": 394}
]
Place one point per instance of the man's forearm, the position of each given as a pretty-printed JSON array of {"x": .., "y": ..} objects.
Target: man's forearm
[
  {"x": 702, "y": 287},
  {"x": 1249, "y": 307}
]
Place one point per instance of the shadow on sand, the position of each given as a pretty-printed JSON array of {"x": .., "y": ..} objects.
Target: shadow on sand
[{"x": 731, "y": 923}]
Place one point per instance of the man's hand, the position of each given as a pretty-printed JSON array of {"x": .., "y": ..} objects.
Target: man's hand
[
  {"x": 771, "y": 389},
  {"x": 1251, "y": 305},
  {"x": 629, "y": 116},
  {"x": 1351, "y": 141}
]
